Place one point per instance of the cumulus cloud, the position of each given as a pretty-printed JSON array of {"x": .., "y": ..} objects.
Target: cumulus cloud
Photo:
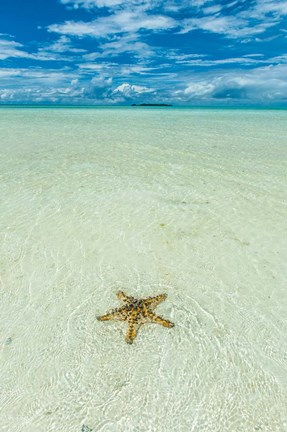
[
  {"x": 131, "y": 90},
  {"x": 93, "y": 85},
  {"x": 261, "y": 85},
  {"x": 264, "y": 84}
]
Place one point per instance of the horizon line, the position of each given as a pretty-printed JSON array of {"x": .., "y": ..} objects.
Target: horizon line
[{"x": 49, "y": 105}]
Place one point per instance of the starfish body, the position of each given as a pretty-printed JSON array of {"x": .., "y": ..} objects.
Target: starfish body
[{"x": 136, "y": 312}]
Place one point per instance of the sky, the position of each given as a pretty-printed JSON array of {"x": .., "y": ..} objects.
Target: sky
[{"x": 114, "y": 52}]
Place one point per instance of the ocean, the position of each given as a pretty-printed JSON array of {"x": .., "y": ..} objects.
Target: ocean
[{"x": 187, "y": 202}]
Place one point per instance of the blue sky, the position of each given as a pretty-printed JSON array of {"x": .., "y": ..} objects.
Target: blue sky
[{"x": 186, "y": 52}]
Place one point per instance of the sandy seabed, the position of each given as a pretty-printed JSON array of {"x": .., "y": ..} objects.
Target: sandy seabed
[{"x": 187, "y": 202}]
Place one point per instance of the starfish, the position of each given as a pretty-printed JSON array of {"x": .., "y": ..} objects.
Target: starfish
[{"x": 136, "y": 312}]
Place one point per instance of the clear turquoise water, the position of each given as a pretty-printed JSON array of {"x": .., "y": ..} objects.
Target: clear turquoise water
[{"x": 187, "y": 202}]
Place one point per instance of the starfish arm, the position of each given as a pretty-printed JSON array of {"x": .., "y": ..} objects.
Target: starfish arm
[
  {"x": 122, "y": 296},
  {"x": 153, "y": 302},
  {"x": 131, "y": 332},
  {"x": 159, "y": 320},
  {"x": 114, "y": 315}
]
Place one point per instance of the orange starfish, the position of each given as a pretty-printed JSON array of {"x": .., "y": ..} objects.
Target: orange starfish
[{"x": 137, "y": 312}]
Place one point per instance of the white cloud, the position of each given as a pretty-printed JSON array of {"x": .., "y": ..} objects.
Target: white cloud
[
  {"x": 198, "y": 89},
  {"x": 282, "y": 59},
  {"x": 260, "y": 85},
  {"x": 88, "y": 4},
  {"x": 67, "y": 86},
  {"x": 258, "y": 9},
  {"x": 230, "y": 26},
  {"x": 131, "y": 90},
  {"x": 93, "y": 66},
  {"x": 262, "y": 8},
  {"x": 127, "y": 43},
  {"x": 36, "y": 76},
  {"x": 62, "y": 45},
  {"x": 168, "y": 5},
  {"x": 243, "y": 61},
  {"x": 132, "y": 16},
  {"x": 60, "y": 50},
  {"x": 114, "y": 69},
  {"x": 54, "y": 51},
  {"x": 210, "y": 10},
  {"x": 138, "y": 69},
  {"x": 10, "y": 48},
  {"x": 121, "y": 22}
]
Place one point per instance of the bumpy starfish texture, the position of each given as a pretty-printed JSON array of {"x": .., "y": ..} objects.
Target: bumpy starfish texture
[{"x": 137, "y": 312}]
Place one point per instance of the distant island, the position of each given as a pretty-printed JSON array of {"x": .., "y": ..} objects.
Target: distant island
[{"x": 152, "y": 104}]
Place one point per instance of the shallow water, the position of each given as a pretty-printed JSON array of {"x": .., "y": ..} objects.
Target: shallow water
[{"x": 187, "y": 202}]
